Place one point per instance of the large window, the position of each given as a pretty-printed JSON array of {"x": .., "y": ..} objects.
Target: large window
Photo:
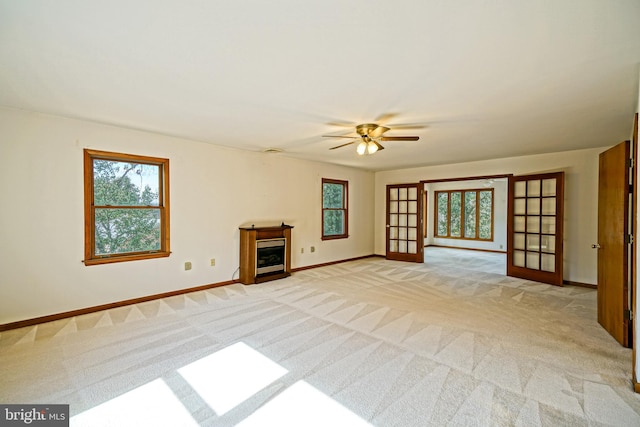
[
  {"x": 335, "y": 218},
  {"x": 464, "y": 214},
  {"x": 126, "y": 205}
]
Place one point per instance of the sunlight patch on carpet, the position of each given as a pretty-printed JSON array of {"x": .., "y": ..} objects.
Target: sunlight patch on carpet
[
  {"x": 230, "y": 376},
  {"x": 303, "y": 405}
]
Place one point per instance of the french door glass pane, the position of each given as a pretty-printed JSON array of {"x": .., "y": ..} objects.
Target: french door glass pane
[
  {"x": 548, "y": 225},
  {"x": 402, "y": 234},
  {"x": 518, "y": 258},
  {"x": 549, "y": 187},
  {"x": 533, "y": 224},
  {"x": 533, "y": 206},
  {"x": 403, "y": 194},
  {"x": 549, "y": 206},
  {"x": 533, "y": 260},
  {"x": 518, "y": 241},
  {"x": 533, "y": 188},
  {"x": 520, "y": 206},
  {"x": 393, "y": 232},
  {"x": 393, "y": 194},
  {"x": 413, "y": 193},
  {"x": 412, "y": 247},
  {"x": 548, "y": 244},
  {"x": 548, "y": 263},
  {"x": 519, "y": 223},
  {"x": 533, "y": 242},
  {"x": 412, "y": 234},
  {"x": 520, "y": 189}
]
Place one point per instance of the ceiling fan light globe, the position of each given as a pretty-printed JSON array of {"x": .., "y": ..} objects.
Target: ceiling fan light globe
[
  {"x": 372, "y": 147},
  {"x": 362, "y": 147}
]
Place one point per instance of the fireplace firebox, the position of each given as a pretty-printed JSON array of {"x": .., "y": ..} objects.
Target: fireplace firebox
[
  {"x": 265, "y": 253},
  {"x": 270, "y": 256}
]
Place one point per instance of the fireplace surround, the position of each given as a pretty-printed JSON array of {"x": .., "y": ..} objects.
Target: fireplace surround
[{"x": 265, "y": 253}]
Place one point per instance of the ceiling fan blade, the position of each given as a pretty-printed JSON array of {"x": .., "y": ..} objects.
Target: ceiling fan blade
[
  {"x": 399, "y": 138},
  {"x": 409, "y": 126},
  {"x": 343, "y": 145},
  {"x": 338, "y": 136},
  {"x": 377, "y": 132},
  {"x": 342, "y": 124},
  {"x": 385, "y": 117}
]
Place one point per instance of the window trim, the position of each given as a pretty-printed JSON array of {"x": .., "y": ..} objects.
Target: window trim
[
  {"x": 89, "y": 208},
  {"x": 345, "y": 208},
  {"x": 462, "y": 214}
]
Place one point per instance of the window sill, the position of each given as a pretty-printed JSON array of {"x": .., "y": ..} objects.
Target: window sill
[
  {"x": 123, "y": 258},
  {"x": 341, "y": 236}
]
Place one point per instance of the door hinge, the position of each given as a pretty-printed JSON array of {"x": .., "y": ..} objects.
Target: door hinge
[
  {"x": 628, "y": 239},
  {"x": 630, "y": 163},
  {"x": 628, "y": 315}
]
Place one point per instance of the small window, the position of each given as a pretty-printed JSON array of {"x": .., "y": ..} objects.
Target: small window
[
  {"x": 335, "y": 218},
  {"x": 126, "y": 207},
  {"x": 464, "y": 214}
]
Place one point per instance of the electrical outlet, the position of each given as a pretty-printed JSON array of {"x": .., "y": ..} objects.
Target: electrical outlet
[
  {"x": 313, "y": 248},
  {"x": 213, "y": 262},
  {"x": 187, "y": 265}
]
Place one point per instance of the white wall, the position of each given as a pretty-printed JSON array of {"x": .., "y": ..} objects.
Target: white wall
[
  {"x": 581, "y": 202},
  {"x": 499, "y": 242},
  {"x": 213, "y": 191}
]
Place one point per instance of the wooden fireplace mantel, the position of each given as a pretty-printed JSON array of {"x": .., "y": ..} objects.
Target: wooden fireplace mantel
[{"x": 249, "y": 235}]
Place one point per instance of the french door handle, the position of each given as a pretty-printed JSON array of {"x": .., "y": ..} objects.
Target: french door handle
[{"x": 596, "y": 246}]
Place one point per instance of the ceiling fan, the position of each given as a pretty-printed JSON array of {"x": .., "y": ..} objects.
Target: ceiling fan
[{"x": 369, "y": 137}]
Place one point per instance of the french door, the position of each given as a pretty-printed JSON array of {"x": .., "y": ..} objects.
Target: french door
[
  {"x": 405, "y": 241},
  {"x": 534, "y": 227}
]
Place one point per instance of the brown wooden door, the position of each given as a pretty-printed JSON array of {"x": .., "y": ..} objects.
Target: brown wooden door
[
  {"x": 534, "y": 227},
  {"x": 613, "y": 241},
  {"x": 405, "y": 241}
]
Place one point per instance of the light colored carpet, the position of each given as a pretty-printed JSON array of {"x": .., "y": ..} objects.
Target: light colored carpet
[{"x": 369, "y": 342}]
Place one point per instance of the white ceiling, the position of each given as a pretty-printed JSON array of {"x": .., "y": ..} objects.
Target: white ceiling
[{"x": 488, "y": 78}]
